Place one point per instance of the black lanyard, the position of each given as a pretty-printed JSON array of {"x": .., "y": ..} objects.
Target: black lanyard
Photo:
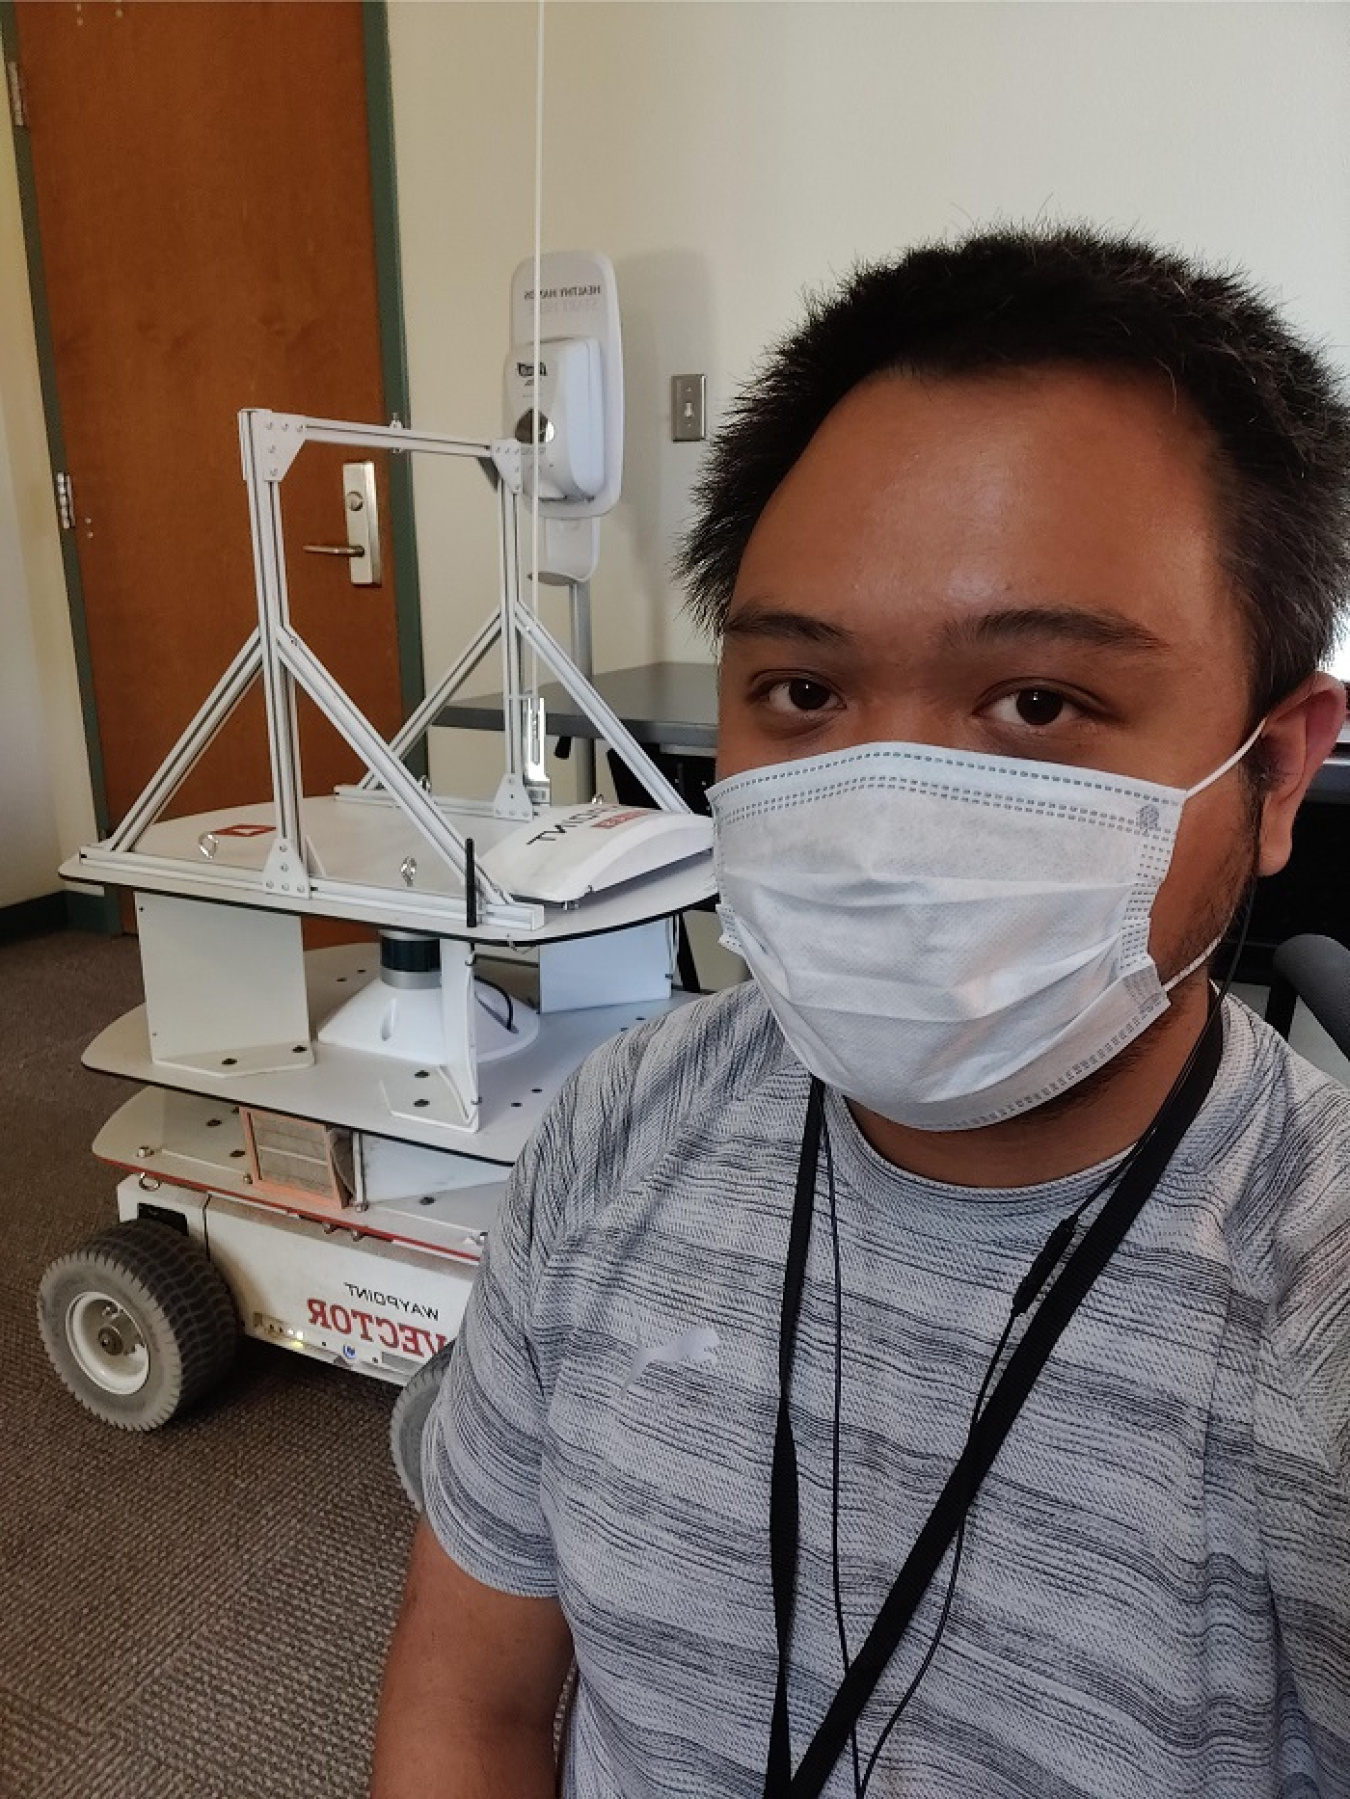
[{"x": 1137, "y": 1181}]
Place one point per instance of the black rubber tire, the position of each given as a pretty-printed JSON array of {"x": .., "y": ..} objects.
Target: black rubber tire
[
  {"x": 171, "y": 1304},
  {"x": 409, "y": 1418}
]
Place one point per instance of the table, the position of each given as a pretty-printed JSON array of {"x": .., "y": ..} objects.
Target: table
[{"x": 662, "y": 703}]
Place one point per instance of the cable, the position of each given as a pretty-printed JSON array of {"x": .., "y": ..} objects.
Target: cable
[
  {"x": 950, "y": 1594},
  {"x": 509, "y": 1022},
  {"x": 861, "y": 1777},
  {"x": 536, "y": 334}
]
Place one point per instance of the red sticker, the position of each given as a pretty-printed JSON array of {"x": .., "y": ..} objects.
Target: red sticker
[{"x": 243, "y": 830}]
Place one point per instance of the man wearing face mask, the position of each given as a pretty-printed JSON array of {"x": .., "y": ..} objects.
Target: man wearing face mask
[{"x": 925, "y": 1369}]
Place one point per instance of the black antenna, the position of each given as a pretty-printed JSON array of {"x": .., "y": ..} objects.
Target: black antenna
[{"x": 470, "y": 885}]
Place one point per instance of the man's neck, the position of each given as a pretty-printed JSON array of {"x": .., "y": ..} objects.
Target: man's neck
[{"x": 1086, "y": 1126}]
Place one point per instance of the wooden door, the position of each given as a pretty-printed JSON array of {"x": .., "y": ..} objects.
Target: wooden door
[{"x": 204, "y": 209}]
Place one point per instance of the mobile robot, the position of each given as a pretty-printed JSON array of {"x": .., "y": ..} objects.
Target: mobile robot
[{"x": 322, "y": 1139}]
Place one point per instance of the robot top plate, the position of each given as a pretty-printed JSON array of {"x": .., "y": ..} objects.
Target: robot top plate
[{"x": 368, "y": 863}]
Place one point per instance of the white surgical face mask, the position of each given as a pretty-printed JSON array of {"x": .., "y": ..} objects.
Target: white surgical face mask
[{"x": 948, "y": 938}]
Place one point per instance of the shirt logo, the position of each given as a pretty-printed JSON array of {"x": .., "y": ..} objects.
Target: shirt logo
[{"x": 693, "y": 1348}]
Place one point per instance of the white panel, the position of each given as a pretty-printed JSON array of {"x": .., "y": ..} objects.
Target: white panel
[
  {"x": 137, "y": 1192},
  {"x": 224, "y": 987},
  {"x": 394, "y": 1170},
  {"x": 377, "y": 1306},
  {"x": 620, "y": 968}
]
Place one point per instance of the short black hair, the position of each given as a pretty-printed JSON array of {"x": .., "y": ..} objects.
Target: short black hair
[{"x": 1017, "y": 298}]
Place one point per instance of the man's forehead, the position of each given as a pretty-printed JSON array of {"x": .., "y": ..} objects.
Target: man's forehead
[
  {"x": 1083, "y": 498},
  {"x": 1049, "y": 402}
]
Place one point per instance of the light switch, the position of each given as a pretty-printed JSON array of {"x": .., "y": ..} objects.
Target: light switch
[{"x": 688, "y": 408}]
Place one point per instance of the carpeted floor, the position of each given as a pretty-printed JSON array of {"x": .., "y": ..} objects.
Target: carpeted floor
[{"x": 200, "y": 1613}]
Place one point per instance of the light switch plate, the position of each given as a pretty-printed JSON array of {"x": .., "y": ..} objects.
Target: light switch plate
[{"x": 688, "y": 408}]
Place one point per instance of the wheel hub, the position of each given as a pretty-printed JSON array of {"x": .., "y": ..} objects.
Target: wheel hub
[{"x": 108, "y": 1343}]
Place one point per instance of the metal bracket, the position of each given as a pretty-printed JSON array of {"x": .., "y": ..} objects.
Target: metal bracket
[
  {"x": 535, "y": 736},
  {"x": 286, "y": 870},
  {"x": 511, "y": 799},
  {"x": 277, "y": 438},
  {"x": 65, "y": 501},
  {"x": 18, "y": 96},
  {"x": 506, "y": 455}
]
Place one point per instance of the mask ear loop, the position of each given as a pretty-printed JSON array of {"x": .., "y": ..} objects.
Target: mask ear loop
[
  {"x": 1216, "y": 999},
  {"x": 1191, "y": 792},
  {"x": 1224, "y": 767},
  {"x": 1191, "y": 967}
]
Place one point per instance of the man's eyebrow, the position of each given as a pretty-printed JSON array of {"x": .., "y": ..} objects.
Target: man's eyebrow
[
  {"x": 754, "y": 620},
  {"x": 1102, "y": 630}
]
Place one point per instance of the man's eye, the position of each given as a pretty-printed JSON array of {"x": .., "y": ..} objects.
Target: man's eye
[
  {"x": 1035, "y": 706},
  {"x": 798, "y": 695}
]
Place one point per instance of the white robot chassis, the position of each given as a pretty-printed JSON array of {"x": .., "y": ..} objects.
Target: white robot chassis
[{"x": 322, "y": 1138}]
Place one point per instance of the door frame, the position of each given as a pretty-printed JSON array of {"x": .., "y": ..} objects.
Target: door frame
[{"x": 85, "y": 910}]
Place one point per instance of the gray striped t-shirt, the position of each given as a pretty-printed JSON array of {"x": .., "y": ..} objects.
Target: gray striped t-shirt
[{"x": 1155, "y": 1593}]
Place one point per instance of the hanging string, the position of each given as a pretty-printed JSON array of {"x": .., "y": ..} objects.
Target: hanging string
[{"x": 537, "y": 334}]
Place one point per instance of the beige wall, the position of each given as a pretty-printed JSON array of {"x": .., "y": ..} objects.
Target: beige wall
[
  {"x": 46, "y": 810},
  {"x": 726, "y": 155}
]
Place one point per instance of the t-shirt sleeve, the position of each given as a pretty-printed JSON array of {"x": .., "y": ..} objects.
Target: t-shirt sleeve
[
  {"x": 482, "y": 1448},
  {"x": 1303, "y": 1461}
]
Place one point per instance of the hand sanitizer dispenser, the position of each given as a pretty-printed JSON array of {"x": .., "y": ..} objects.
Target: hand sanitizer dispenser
[
  {"x": 555, "y": 411},
  {"x": 570, "y": 407}
]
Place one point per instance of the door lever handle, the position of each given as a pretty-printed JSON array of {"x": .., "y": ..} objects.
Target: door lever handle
[{"x": 360, "y": 508}]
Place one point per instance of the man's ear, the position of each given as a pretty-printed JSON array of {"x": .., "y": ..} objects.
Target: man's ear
[{"x": 1297, "y": 740}]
